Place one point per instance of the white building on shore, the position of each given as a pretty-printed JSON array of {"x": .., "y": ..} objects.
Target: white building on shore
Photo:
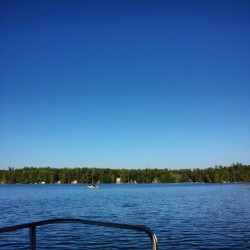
[{"x": 118, "y": 180}]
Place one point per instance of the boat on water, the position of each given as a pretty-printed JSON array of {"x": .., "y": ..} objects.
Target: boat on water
[{"x": 93, "y": 186}]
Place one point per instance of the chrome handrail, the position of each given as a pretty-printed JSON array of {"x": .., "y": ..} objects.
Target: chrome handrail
[{"x": 32, "y": 226}]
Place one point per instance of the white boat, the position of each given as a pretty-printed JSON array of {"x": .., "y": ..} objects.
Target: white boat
[{"x": 92, "y": 186}]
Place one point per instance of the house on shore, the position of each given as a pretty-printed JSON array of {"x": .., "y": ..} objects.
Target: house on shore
[{"x": 118, "y": 180}]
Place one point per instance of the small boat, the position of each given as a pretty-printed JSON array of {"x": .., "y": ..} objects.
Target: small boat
[{"x": 92, "y": 186}]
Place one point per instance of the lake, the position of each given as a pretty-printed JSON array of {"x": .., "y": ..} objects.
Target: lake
[{"x": 183, "y": 216}]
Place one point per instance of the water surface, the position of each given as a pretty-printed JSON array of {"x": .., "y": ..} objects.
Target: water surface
[{"x": 183, "y": 216}]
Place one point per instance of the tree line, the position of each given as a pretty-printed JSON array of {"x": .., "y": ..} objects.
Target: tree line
[{"x": 236, "y": 172}]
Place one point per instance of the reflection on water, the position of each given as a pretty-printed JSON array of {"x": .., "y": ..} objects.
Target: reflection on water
[{"x": 183, "y": 216}]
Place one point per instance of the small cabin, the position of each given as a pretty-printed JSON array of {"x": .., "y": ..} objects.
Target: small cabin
[{"x": 118, "y": 180}]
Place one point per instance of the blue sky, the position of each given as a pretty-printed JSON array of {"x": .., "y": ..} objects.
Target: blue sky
[{"x": 124, "y": 84}]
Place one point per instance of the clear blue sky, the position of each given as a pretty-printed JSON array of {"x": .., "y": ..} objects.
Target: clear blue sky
[{"x": 124, "y": 84}]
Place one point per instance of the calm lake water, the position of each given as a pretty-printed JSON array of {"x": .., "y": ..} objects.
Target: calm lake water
[{"x": 183, "y": 216}]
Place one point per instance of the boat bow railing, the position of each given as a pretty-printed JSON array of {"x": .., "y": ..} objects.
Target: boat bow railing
[{"x": 32, "y": 229}]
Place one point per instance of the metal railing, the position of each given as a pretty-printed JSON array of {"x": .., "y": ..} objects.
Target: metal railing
[{"x": 32, "y": 229}]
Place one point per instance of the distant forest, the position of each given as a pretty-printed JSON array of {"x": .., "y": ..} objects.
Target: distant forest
[{"x": 218, "y": 174}]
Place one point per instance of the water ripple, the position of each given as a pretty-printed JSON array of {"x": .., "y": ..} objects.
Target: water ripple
[{"x": 183, "y": 216}]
